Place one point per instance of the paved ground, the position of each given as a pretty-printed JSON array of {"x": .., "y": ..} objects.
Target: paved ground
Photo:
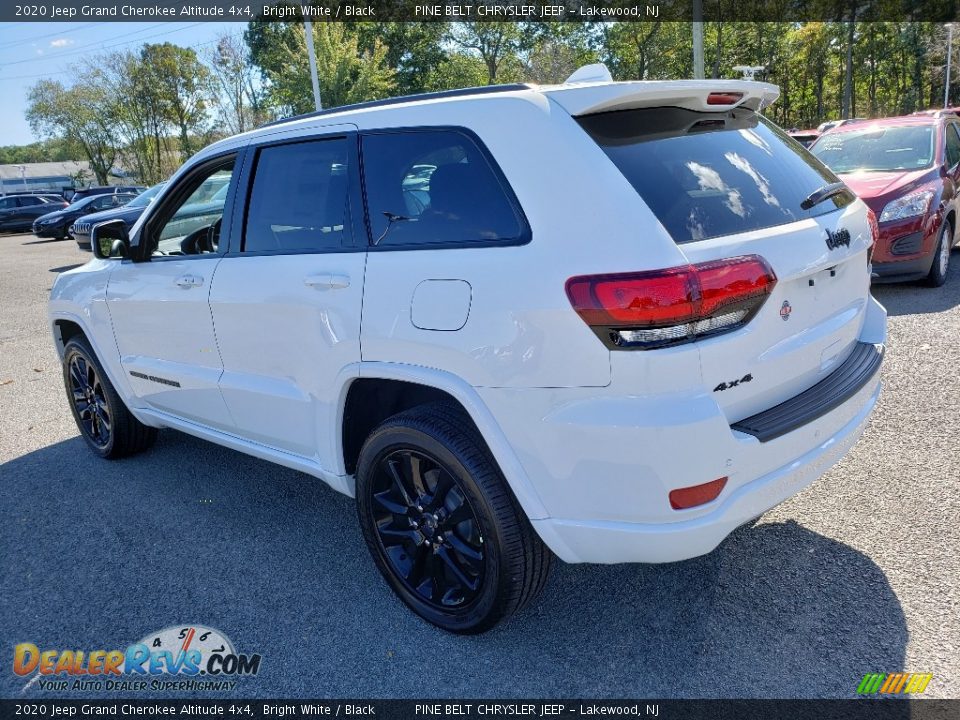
[{"x": 857, "y": 574}]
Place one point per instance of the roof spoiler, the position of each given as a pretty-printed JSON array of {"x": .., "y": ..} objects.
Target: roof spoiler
[{"x": 582, "y": 96}]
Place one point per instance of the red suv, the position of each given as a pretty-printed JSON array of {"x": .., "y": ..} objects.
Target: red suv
[{"x": 907, "y": 170}]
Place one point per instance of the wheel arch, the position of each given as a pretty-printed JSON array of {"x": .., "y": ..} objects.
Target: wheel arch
[
  {"x": 66, "y": 326},
  {"x": 382, "y": 390},
  {"x": 64, "y": 330}
]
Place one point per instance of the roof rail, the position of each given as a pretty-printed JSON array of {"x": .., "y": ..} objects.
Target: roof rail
[{"x": 461, "y": 92}]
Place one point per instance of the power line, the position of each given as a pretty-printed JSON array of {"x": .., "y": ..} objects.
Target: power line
[
  {"x": 84, "y": 48},
  {"x": 64, "y": 72},
  {"x": 15, "y": 43}
]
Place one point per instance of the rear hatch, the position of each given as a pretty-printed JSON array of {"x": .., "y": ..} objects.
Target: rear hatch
[{"x": 726, "y": 183}]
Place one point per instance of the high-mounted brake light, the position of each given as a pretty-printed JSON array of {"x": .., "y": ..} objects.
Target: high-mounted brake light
[
  {"x": 724, "y": 98},
  {"x": 689, "y": 497},
  {"x": 647, "y": 310}
]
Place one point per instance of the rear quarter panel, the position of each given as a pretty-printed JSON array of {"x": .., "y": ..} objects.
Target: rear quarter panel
[{"x": 521, "y": 330}]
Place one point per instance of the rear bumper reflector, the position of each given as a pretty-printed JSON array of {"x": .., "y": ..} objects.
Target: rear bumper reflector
[{"x": 828, "y": 394}]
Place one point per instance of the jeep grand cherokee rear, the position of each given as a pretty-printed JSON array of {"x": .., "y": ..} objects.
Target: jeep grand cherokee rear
[{"x": 614, "y": 335}]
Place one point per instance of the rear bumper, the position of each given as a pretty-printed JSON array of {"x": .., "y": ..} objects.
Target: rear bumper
[
  {"x": 603, "y": 462},
  {"x": 50, "y": 231},
  {"x": 619, "y": 542},
  {"x": 902, "y": 270}
]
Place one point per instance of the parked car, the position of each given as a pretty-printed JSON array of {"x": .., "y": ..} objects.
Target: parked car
[
  {"x": 907, "y": 169},
  {"x": 17, "y": 212},
  {"x": 831, "y": 124},
  {"x": 804, "y": 137},
  {"x": 106, "y": 190},
  {"x": 624, "y": 372},
  {"x": 80, "y": 230},
  {"x": 55, "y": 224}
]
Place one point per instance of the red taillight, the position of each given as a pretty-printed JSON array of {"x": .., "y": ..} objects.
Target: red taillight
[
  {"x": 663, "y": 307},
  {"x": 723, "y": 98},
  {"x": 689, "y": 497},
  {"x": 874, "y": 232}
]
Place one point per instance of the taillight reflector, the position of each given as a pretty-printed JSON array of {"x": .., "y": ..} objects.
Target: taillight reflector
[
  {"x": 723, "y": 98},
  {"x": 689, "y": 497},
  {"x": 874, "y": 232},
  {"x": 652, "y": 309}
]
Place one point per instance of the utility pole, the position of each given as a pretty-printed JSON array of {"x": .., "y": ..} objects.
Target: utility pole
[
  {"x": 946, "y": 84},
  {"x": 698, "y": 40},
  {"x": 308, "y": 27}
]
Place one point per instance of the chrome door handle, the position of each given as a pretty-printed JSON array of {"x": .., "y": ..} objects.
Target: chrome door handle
[
  {"x": 189, "y": 281},
  {"x": 327, "y": 281}
]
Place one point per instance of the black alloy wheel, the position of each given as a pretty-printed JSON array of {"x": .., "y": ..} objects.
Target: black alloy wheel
[
  {"x": 427, "y": 529},
  {"x": 108, "y": 427},
  {"x": 89, "y": 401},
  {"x": 442, "y": 524}
]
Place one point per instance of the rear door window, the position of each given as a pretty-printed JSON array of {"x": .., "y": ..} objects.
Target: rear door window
[
  {"x": 436, "y": 187},
  {"x": 298, "y": 202},
  {"x": 707, "y": 175}
]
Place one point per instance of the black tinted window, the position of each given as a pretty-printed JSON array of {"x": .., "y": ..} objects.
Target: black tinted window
[
  {"x": 30, "y": 200},
  {"x": 431, "y": 187},
  {"x": 711, "y": 174},
  {"x": 299, "y": 197},
  {"x": 953, "y": 145}
]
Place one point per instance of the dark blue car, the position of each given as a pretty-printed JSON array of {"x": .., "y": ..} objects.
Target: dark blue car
[
  {"x": 129, "y": 213},
  {"x": 54, "y": 224}
]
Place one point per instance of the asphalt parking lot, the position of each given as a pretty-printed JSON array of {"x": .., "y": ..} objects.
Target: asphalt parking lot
[{"x": 857, "y": 574}]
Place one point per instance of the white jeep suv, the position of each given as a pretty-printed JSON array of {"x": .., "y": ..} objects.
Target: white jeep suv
[{"x": 605, "y": 321}]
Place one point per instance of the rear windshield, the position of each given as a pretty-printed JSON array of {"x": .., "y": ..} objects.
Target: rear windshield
[
  {"x": 706, "y": 175},
  {"x": 877, "y": 149}
]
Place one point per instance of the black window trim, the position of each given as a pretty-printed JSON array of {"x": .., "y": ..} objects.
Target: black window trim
[
  {"x": 161, "y": 213},
  {"x": 349, "y": 239},
  {"x": 952, "y": 125},
  {"x": 525, "y": 235}
]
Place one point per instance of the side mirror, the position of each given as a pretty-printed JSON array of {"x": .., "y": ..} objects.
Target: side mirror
[{"x": 110, "y": 240}]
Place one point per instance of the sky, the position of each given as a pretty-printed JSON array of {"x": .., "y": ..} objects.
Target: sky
[{"x": 32, "y": 51}]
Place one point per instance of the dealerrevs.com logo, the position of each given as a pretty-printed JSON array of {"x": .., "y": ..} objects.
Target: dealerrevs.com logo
[{"x": 178, "y": 658}]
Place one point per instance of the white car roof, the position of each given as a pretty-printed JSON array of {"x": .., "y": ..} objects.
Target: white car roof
[{"x": 577, "y": 98}]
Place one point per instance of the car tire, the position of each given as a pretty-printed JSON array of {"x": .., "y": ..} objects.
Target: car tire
[
  {"x": 441, "y": 523},
  {"x": 941, "y": 256},
  {"x": 105, "y": 423}
]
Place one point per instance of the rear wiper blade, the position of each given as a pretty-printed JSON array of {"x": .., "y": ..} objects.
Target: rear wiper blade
[{"x": 824, "y": 193}]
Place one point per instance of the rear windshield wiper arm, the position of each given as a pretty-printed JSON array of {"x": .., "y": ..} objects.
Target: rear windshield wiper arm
[{"x": 824, "y": 193}]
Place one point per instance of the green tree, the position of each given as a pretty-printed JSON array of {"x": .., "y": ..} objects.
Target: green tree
[
  {"x": 413, "y": 50},
  {"x": 347, "y": 72},
  {"x": 238, "y": 98},
  {"x": 493, "y": 42},
  {"x": 555, "y": 50},
  {"x": 75, "y": 114},
  {"x": 182, "y": 87}
]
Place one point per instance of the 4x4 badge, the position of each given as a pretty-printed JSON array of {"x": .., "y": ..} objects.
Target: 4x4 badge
[{"x": 785, "y": 310}]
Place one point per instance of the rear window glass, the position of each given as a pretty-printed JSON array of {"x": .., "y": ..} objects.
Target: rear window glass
[
  {"x": 430, "y": 187},
  {"x": 706, "y": 175},
  {"x": 877, "y": 149}
]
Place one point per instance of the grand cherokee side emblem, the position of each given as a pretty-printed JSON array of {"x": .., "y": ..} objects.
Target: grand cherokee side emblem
[{"x": 838, "y": 238}]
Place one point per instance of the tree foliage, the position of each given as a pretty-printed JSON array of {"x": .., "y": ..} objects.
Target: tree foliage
[
  {"x": 348, "y": 72},
  {"x": 73, "y": 114},
  {"x": 238, "y": 96},
  {"x": 150, "y": 109}
]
